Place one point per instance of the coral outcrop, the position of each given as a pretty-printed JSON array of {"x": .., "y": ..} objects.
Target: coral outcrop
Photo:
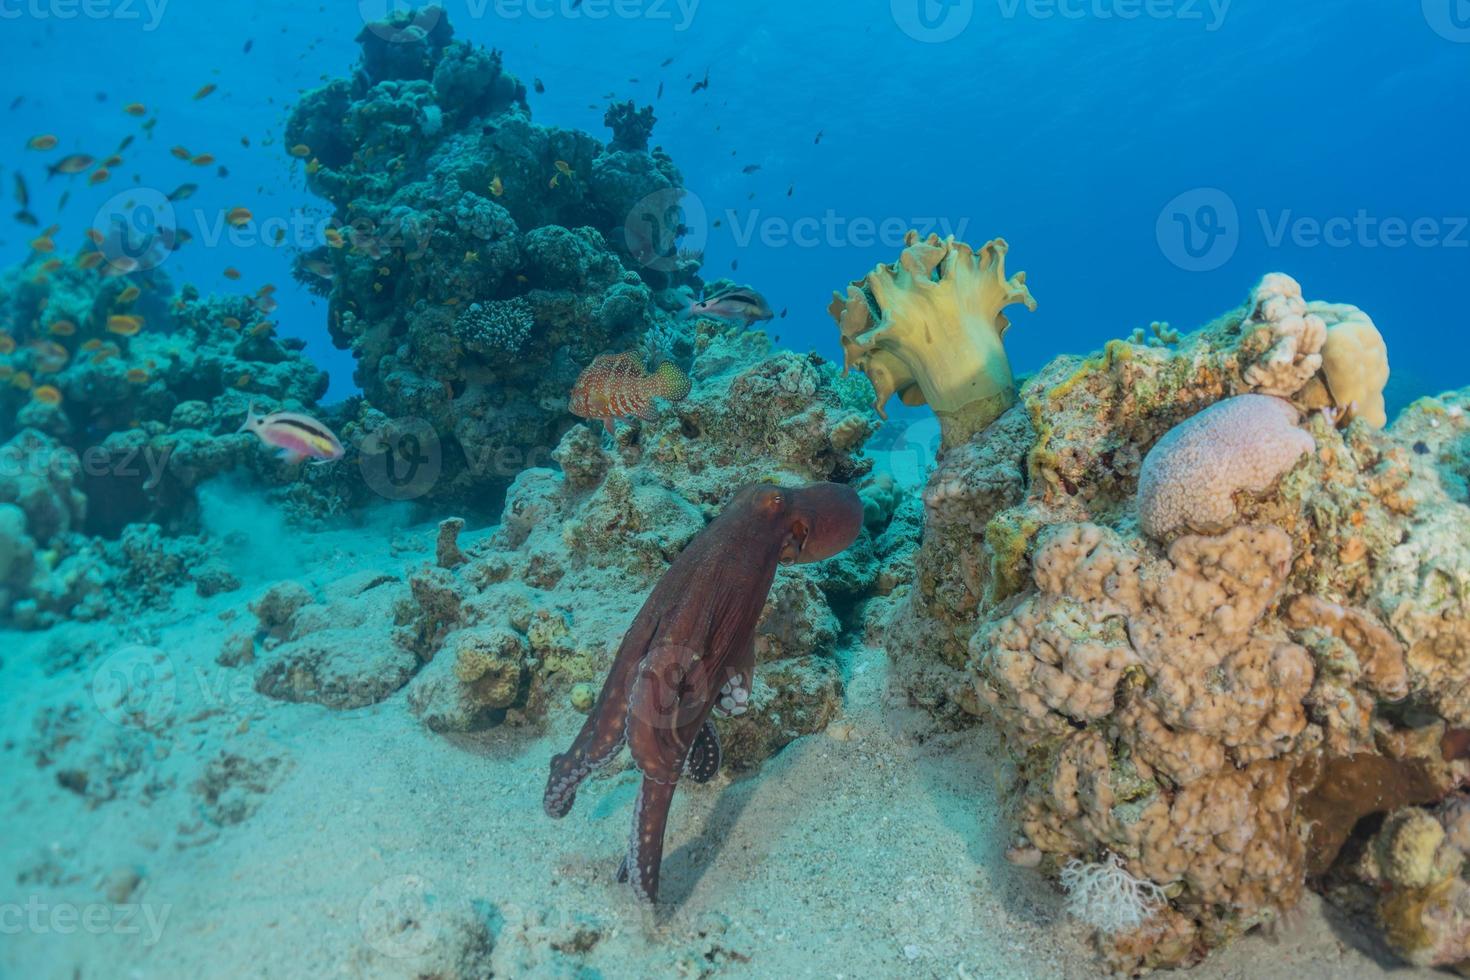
[
  {"x": 1221, "y": 632},
  {"x": 479, "y": 261},
  {"x": 929, "y": 327}
]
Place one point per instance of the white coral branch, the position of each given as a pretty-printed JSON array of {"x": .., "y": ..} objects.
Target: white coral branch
[{"x": 1108, "y": 897}]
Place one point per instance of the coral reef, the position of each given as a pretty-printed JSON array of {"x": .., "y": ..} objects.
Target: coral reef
[
  {"x": 1216, "y": 627},
  {"x": 123, "y": 395},
  {"x": 480, "y": 261},
  {"x": 929, "y": 327},
  {"x": 506, "y": 626}
]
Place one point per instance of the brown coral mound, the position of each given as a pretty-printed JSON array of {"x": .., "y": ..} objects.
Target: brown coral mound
[{"x": 1222, "y": 704}]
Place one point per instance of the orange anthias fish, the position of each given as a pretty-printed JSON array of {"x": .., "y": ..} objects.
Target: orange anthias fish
[
  {"x": 616, "y": 386},
  {"x": 297, "y": 436}
]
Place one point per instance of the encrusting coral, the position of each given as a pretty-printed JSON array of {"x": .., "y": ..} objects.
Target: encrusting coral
[
  {"x": 929, "y": 328},
  {"x": 1219, "y": 630}
]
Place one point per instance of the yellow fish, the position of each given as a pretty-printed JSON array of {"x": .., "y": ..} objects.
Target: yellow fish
[
  {"x": 47, "y": 395},
  {"x": 45, "y": 141},
  {"x": 129, "y": 294},
  {"x": 124, "y": 325},
  {"x": 301, "y": 150},
  {"x": 497, "y": 186},
  {"x": 564, "y": 167}
]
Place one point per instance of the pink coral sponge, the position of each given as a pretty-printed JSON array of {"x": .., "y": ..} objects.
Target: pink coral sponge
[{"x": 1190, "y": 477}]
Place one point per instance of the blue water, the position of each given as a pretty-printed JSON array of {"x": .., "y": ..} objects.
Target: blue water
[{"x": 1146, "y": 161}]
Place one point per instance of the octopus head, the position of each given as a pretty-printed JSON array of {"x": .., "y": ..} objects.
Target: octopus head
[{"x": 815, "y": 522}]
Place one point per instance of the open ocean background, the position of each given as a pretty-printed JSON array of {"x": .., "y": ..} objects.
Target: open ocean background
[{"x": 1147, "y": 159}]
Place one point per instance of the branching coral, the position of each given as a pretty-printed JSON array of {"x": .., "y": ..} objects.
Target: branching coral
[{"x": 929, "y": 329}]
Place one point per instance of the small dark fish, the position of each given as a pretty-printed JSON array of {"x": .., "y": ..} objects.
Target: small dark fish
[
  {"x": 719, "y": 222},
  {"x": 61, "y": 204},
  {"x": 701, "y": 85},
  {"x": 101, "y": 96},
  {"x": 820, "y": 132},
  {"x": 148, "y": 126},
  {"x": 17, "y": 102},
  {"x": 734, "y": 265},
  {"x": 249, "y": 43},
  {"x": 127, "y": 141},
  {"x": 540, "y": 87},
  {"x": 667, "y": 62},
  {"x": 22, "y": 194},
  {"x": 183, "y": 192},
  {"x": 784, "y": 309},
  {"x": 660, "y": 90},
  {"x": 791, "y": 190},
  {"x": 576, "y": 4},
  {"x": 223, "y": 171},
  {"x": 26, "y": 218},
  {"x": 750, "y": 168}
]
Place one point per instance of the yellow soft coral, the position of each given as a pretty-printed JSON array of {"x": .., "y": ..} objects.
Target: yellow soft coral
[{"x": 937, "y": 335}]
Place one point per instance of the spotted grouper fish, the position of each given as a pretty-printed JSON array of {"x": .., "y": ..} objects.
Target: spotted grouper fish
[
  {"x": 617, "y": 386},
  {"x": 297, "y": 436}
]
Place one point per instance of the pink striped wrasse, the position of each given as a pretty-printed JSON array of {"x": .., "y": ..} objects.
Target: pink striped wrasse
[
  {"x": 297, "y": 436},
  {"x": 616, "y": 386}
]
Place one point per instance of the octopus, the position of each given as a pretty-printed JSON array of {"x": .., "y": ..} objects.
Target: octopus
[{"x": 690, "y": 652}]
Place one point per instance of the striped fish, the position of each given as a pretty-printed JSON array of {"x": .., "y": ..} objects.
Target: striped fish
[
  {"x": 297, "y": 436},
  {"x": 617, "y": 386}
]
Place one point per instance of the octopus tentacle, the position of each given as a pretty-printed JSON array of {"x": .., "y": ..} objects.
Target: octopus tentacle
[
  {"x": 641, "y": 864},
  {"x": 704, "y": 755},
  {"x": 568, "y": 769}
]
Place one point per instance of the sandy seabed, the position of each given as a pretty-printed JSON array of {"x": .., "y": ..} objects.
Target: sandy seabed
[{"x": 238, "y": 836}]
